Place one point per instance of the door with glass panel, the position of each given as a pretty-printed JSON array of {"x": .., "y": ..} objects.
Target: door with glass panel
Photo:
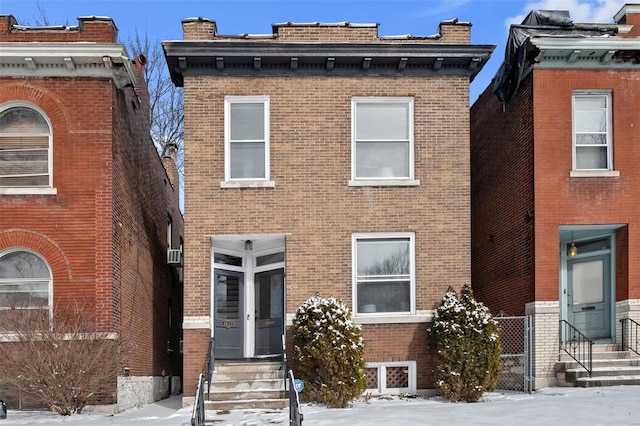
[
  {"x": 229, "y": 314},
  {"x": 589, "y": 295},
  {"x": 269, "y": 305}
]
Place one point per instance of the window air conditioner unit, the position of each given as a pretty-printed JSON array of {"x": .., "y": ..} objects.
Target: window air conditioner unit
[{"x": 174, "y": 257}]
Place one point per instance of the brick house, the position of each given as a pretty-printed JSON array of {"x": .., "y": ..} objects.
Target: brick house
[
  {"x": 313, "y": 155},
  {"x": 555, "y": 224},
  {"x": 85, "y": 196}
]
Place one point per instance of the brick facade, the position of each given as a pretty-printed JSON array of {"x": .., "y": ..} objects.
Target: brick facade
[
  {"x": 528, "y": 200},
  {"x": 103, "y": 232},
  {"x": 311, "y": 204}
]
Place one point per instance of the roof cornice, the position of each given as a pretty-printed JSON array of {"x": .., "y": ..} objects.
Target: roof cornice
[
  {"x": 253, "y": 58},
  {"x": 598, "y": 52},
  {"x": 76, "y": 59}
]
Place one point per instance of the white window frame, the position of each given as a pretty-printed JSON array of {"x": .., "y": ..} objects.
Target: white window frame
[
  {"x": 606, "y": 172},
  {"x": 50, "y": 288},
  {"x": 381, "y": 368},
  {"x": 380, "y": 181},
  {"x": 36, "y": 190},
  {"x": 410, "y": 236},
  {"x": 246, "y": 182}
]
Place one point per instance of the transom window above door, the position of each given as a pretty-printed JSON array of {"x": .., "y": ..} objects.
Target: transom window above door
[
  {"x": 25, "y": 148},
  {"x": 247, "y": 140},
  {"x": 382, "y": 139}
]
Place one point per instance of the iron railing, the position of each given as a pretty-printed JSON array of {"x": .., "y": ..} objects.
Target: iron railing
[
  {"x": 197, "y": 415},
  {"x": 630, "y": 335},
  {"x": 295, "y": 414},
  {"x": 210, "y": 365},
  {"x": 577, "y": 345}
]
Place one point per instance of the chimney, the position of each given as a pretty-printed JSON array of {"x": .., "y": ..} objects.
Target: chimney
[
  {"x": 629, "y": 15},
  {"x": 169, "y": 161}
]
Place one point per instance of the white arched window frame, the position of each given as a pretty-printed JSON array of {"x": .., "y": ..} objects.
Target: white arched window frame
[
  {"x": 26, "y": 281},
  {"x": 25, "y": 147}
]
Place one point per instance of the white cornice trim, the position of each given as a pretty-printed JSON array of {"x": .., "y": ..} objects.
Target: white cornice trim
[
  {"x": 587, "y": 43},
  {"x": 77, "y": 59}
]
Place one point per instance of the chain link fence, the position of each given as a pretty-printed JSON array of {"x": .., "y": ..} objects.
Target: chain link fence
[{"x": 516, "y": 350}]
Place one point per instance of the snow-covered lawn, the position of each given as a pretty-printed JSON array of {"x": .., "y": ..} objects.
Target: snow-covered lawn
[{"x": 619, "y": 405}]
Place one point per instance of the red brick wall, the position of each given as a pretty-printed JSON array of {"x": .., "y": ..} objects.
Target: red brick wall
[
  {"x": 502, "y": 201},
  {"x": 143, "y": 201},
  {"x": 99, "y": 30},
  {"x": 503, "y": 167},
  {"x": 104, "y": 234},
  {"x": 561, "y": 199}
]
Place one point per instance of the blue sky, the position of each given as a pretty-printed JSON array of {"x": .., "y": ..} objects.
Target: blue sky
[{"x": 160, "y": 19}]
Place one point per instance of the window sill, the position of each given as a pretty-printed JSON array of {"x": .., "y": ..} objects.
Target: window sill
[
  {"x": 28, "y": 191},
  {"x": 418, "y": 317},
  {"x": 385, "y": 182},
  {"x": 594, "y": 173},
  {"x": 248, "y": 184}
]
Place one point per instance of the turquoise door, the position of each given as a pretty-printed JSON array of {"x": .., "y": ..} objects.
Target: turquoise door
[{"x": 589, "y": 295}]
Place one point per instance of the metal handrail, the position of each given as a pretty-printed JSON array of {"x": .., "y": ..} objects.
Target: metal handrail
[
  {"x": 630, "y": 335},
  {"x": 197, "y": 415},
  {"x": 577, "y": 345},
  {"x": 210, "y": 365},
  {"x": 295, "y": 413}
]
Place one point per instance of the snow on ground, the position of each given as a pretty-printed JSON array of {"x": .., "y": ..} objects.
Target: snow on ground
[{"x": 617, "y": 405}]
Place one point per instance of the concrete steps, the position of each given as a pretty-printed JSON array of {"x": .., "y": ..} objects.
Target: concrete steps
[
  {"x": 610, "y": 368},
  {"x": 239, "y": 385}
]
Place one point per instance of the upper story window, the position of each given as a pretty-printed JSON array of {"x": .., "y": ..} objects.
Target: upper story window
[
  {"x": 25, "y": 148},
  {"x": 384, "y": 273},
  {"x": 25, "y": 283},
  {"x": 592, "y": 135},
  {"x": 247, "y": 140},
  {"x": 382, "y": 139}
]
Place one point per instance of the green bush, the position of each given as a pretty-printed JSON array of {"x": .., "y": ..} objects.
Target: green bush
[
  {"x": 466, "y": 340},
  {"x": 328, "y": 351}
]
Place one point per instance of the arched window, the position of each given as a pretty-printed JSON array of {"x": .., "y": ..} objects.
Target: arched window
[
  {"x": 25, "y": 283},
  {"x": 25, "y": 148}
]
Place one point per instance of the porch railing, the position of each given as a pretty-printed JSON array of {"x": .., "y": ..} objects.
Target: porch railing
[
  {"x": 577, "y": 345},
  {"x": 630, "y": 335},
  {"x": 210, "y": 364},
  {"x": 295, "y": 414},
  {"x": 197, "y": 415}
]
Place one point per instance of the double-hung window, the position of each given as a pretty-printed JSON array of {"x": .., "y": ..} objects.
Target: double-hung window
[
  {"x": 247, "y": 139},
  {"x": 25, "y": 149},
  {"x": 592, "y": 136},
  {"x": 382, "y": 139},
  {"x": 383, "y": 273}
]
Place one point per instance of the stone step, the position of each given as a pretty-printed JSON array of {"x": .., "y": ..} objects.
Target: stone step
[
  {"x": 587, "y": 382},
  {"x": 230, "y": 395},
  {"x": 234, "y": 385},
  {"x": 244, "y": 376},
  {"x": 271, "y": 404},
  {"x": 579, "y": 373},
  {"x": 563, "y": 366},
  {"x": 238, "y": 366},
  {"x": 600, "y": 355}
]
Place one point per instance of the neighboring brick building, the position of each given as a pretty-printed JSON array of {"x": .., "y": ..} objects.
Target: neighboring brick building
[
  {"x": 555, "y": 154},
  {"x": 324, "y": 159},
  {"x": 84, "y": 194}
]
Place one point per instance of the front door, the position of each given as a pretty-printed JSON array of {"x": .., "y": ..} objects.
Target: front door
[
  {"x": 229, "y": 314},
  {"x": 589, "y": 295},
  {"x": 269, "y": 305}
]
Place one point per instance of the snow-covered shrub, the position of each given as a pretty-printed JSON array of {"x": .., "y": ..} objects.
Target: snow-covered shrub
[
  {"x": 466, "y": 340},
  {"x": 328, "y": 351}
]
